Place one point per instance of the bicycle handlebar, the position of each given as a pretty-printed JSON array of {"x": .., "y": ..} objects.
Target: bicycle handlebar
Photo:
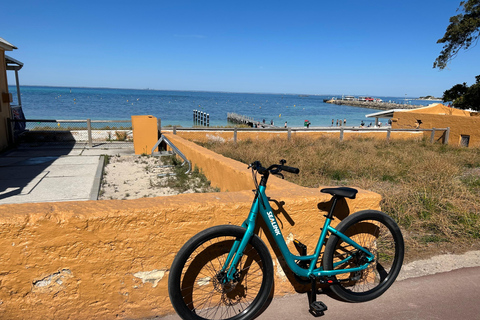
[
  {"x": 290, "y": 169},
  {"x": 274, "y": 168}
]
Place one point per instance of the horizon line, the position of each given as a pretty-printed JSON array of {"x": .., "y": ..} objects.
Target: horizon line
[{"x": 205, "y": 91}]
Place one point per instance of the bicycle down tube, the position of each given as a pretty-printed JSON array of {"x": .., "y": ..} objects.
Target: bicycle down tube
[{"x": 261, "y": 205}]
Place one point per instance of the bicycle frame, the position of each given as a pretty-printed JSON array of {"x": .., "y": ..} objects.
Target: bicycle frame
[{"x": 262, "y": 206}]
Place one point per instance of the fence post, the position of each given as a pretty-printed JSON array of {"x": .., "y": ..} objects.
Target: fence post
[
  {"x": 432, "y": 136},
  {"x": 174, "y": 129},
  {"x": 389, "y": 131},
  {"x": 159, "y": 127},
  {"x": 235, "y": 135},
  {"x": 89, "y": 132},
  {"x": 289, "y": 134},
  {"x": 341, "y": 134},
  {"x": 447, "y": 135}
]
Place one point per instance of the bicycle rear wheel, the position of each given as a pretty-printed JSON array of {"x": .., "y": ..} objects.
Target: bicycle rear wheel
[
  {"x": 195, "y": 282},
  {"x": 377, "y": 232}
]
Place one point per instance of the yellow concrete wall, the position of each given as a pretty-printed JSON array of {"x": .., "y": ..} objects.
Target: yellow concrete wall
[
  {"x": 86, "y": 260},
  {"x": 4, "y": 106},
  {"x": 458, "y": 124},
  {"x": 145, "y": 134}
]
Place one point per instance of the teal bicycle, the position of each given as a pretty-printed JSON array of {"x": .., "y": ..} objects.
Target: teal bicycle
[{"x": 226, "y": 272}]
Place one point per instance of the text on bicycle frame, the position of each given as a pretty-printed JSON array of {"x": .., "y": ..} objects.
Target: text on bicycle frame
[{"x": 273, "y": 223}]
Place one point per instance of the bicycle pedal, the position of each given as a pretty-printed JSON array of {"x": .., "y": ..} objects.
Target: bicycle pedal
[{"x": 318, "y": 308}]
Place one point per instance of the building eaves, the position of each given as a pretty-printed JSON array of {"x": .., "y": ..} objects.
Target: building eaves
[{"x": 4, "y": 44}]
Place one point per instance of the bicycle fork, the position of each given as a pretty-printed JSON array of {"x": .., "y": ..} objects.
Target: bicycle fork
[{"x": 236, "y": 253}]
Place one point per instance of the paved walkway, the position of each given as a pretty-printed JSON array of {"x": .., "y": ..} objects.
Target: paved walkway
[
  {"x": 54, "y": 172},
  {"x": 449, "y": 295}
]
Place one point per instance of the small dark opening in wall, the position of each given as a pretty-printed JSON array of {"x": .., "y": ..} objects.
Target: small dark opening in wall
[{"x": 464, "y": 140}]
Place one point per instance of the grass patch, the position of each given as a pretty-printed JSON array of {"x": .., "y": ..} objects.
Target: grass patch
[
  {"x": 194, "y": 181},
  {"x": 431, "y": 190}
]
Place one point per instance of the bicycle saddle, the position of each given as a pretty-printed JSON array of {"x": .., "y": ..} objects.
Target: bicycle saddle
[{"x": 341, "y": 192}]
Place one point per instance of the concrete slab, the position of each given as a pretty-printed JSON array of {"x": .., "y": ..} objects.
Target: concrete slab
[
  {"x": 73, "y": 160},
  {"x": 47, "y": 173},
  {"x": 8, "y": 161},
  {"x": 110, "y": 152},
  {"x": 44, "y": 152},
  {"x": 72, "y": 188}
]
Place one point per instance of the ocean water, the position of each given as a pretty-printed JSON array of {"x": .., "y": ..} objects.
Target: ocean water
[{"x": 176, "y": 107}]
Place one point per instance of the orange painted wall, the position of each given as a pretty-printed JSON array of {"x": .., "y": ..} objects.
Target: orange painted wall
[
  {"x": 460, "y": 123},
  {"x": 145, "y": 134}
]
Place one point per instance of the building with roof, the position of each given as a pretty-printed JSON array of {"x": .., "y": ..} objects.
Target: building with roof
[
  {"x": 464, "y": 125},
  {"x": 6, "y": 98}
]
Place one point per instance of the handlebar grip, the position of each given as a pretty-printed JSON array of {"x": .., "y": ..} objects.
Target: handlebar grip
[{"x": 290, "y": 169}]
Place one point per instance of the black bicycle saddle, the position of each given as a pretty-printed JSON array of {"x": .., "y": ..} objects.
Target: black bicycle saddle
[{"x": 341, "y": 192}]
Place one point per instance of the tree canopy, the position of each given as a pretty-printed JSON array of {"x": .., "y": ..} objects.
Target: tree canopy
[
  {"x": 463, "y": 96},
  {"x": 462, "y": 32}
]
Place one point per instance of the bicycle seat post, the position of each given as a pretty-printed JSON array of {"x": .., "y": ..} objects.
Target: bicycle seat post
[{"x": 332, "y": 208}]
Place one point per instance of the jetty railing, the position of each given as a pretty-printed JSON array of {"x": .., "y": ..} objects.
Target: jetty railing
[
  {"x": 342, "y": 130},
  {"x": 90, "y": 131}
]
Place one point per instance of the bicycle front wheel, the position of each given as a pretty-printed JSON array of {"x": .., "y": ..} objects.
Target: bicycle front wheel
[
  {"x": 196, "y": 282},
  {"x": 378, "y": 233}
]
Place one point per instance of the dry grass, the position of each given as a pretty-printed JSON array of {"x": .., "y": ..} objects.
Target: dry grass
[{"x": 431, "y": 190}]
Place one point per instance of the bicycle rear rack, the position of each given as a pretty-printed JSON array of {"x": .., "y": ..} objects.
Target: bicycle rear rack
[{"x": 175, "y": 150}]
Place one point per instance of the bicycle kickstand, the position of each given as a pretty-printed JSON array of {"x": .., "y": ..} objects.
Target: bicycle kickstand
[{"x": 317, "y": 308}]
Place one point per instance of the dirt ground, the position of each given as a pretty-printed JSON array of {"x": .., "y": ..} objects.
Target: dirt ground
[{"x": 133, "y": 177}]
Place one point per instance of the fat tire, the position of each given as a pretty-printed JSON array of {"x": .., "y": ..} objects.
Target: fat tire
[
  {"x": 385, "y": 280},
  {"x": 176, "y": 277}
]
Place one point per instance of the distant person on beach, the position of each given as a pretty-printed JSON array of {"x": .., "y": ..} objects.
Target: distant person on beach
[
  {"x": 271, "y": 122},
  {"x": 362, "y": 124},
  {"x": 344, "y": 122},
  {"x": 264, "y": 121},
  {"x": 332, "y": 122},
  {"x": 285, "y": 124}
]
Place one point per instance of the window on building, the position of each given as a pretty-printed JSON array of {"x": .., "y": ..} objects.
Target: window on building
[{"x": 464, "y": 140}]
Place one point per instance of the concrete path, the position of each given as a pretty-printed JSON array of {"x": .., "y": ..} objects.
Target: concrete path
[
  {"x": 450, "y": 295},
  {"x": 49, "y": 172}
]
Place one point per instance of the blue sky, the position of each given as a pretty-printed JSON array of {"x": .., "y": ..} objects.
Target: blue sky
[{"x": 382, "y": 48}]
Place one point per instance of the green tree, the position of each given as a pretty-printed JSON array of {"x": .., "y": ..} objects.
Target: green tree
[
  {"x": 463, "y": 96},
  {"x": 462, "y": 32}
]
